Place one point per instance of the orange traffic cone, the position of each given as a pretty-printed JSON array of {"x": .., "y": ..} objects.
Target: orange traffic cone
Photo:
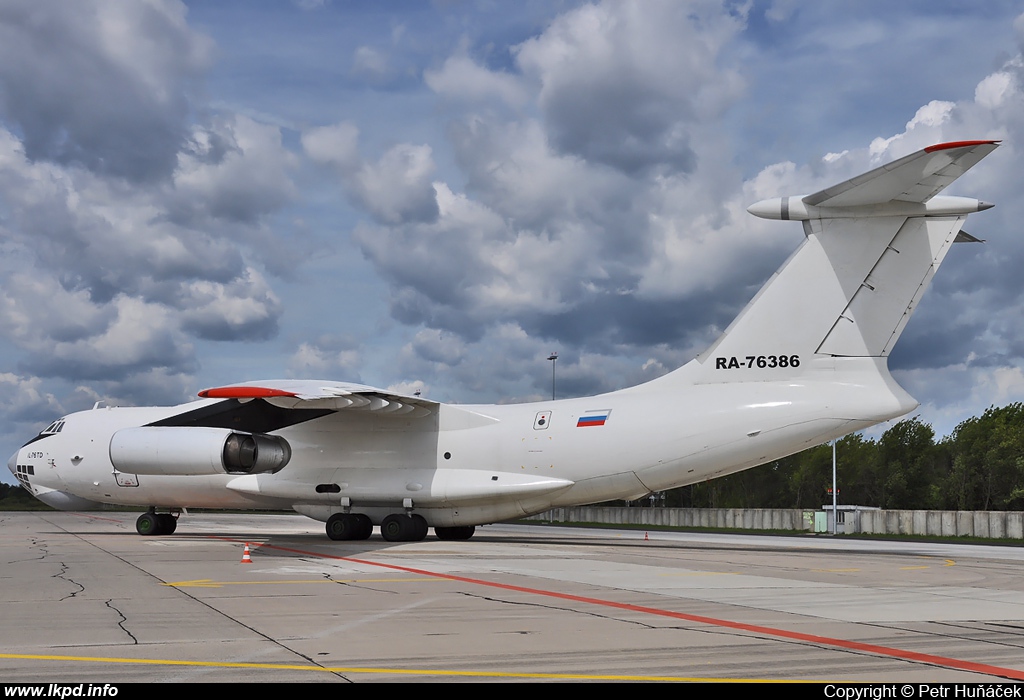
[
  {"x": 646, "y": 538},
  {"x": 246, "y": 559}
]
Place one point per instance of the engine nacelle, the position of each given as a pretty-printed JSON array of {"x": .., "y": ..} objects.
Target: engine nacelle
[{"x": 178, "y": 451}]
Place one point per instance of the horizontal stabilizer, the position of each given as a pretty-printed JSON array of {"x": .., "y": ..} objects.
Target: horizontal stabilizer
[
  {"x": 914, "y": 178},
  {"x": 872, "y": 245},
  {"x": 964, "y": 237}
]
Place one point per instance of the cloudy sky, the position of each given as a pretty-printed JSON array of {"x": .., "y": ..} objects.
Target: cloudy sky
[{"x": 435, "y": 196}]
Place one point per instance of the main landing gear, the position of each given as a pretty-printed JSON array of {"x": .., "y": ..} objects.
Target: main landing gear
[
  {"x": 403, "y": 528},
  {"x": 394, "y": 528},
  {"x": 463, "y": 532},
  {"x": 349, "y": 526},
  {"x": 153, "y": 523}
]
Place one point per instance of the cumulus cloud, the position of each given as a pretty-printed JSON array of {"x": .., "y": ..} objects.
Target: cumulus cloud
[
  {"x": 461, "y": 78},
  {"x": 620, "y": 82},
  {"x": 398, "y": 187},
  {"x": 336, "y": 145},
  {"x": 329, "y": 357},
  {"x": 370, "y": 63},
  {"x": 235, "y": 170},
  {"x": 509, "y": 364},
  {"x": 244, "y": 308},
  {"x": 395, "y": 189},
  {"x": 104, "y": 85},
  {"x": 131, "y": 227},
  {"x": 26, "y": 401},
  {"x": 138, "y": 338},
  {"x": 585, "y": 223}
]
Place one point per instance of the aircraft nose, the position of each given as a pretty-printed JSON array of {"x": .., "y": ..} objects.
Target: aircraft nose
[{"x": 12, "y": 463}]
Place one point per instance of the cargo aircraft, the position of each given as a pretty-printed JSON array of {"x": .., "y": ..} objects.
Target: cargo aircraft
[{"x": 803, "y": 363}]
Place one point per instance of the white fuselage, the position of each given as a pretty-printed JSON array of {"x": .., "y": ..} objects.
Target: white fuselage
[{"x": 478, "y": 464}]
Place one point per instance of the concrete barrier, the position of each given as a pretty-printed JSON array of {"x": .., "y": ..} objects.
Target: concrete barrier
[{"x": 940, "y": 523}]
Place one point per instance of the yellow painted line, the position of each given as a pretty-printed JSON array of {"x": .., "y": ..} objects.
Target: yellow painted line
[
  {"x": 834, "y": 570},
  {"x": 949, "y": 562},
  {"x": 393, "y": 671},
  {"x": 210, "y": 583}
]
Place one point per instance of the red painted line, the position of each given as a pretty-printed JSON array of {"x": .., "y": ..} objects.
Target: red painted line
[
  {"x": 943, "y": 661},
  {"x": 954, "y": 144},
  {"x": 242, "y": 392}
]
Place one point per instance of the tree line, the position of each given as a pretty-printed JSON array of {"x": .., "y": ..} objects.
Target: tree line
[
  {"x": 13, "y": 497},
  {"x": 979, "y": 466}
]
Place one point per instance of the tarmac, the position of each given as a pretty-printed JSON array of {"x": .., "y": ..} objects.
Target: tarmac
[{"x": 84, "y": 599}]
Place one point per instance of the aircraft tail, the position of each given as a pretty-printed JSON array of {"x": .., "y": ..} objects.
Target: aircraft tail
[{"x": 872, "y": 245}]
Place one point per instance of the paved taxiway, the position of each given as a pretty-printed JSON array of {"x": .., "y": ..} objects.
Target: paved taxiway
[{"x": 85, "y": 599}]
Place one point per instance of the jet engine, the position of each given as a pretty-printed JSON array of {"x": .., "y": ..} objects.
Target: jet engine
[{"x": 181, "y": 451}]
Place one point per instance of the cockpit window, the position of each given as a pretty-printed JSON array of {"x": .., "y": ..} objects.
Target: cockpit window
[{"x": 54, "y": 427}]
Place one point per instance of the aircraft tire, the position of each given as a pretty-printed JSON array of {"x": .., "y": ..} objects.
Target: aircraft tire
[
  {"x": 395, "y": 528},
  {"x": 463, "y": 532},
  {"x": 148, "y": 525},
  {"x": 342, "y": 526},
  {"x": 168, "y": 524},
  {"x": 365, "y": 527},
  {"x": 404, "y": 528},
  {"x": 419, "y": 528}
]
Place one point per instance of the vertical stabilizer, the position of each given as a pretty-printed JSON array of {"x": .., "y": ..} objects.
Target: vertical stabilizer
[{"x": 872, "y": 245}]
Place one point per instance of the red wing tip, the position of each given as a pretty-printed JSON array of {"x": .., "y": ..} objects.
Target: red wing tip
[
  {"x": 242, "y": 392},
  {"x": 955, "y": 144}
]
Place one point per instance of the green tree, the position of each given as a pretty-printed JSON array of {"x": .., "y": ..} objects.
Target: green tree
[
  {"x": 985, "y": 461},
  {"x": 857, "y": 469},
  {"x": 907, "y": 466}
]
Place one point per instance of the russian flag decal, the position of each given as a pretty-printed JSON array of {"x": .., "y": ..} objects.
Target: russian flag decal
[{"x": 593, "y": 418}]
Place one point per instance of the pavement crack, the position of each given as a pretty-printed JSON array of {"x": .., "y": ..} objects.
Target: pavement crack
[
  {"x": 61, "y": 575},
  {"x": 349, "y": 584},
  {"x": 34, "y": 544},
  {"x": 203, "y": 603},
  {"x": 563, "y": 609},
  {"x": 120, "y": 623},
  {"x": 978, "y": 636}
]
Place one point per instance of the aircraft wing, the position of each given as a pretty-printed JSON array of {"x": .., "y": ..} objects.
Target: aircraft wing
[
  {"x": 914, "y": 178},
  {"x": 324, "y": 395}
]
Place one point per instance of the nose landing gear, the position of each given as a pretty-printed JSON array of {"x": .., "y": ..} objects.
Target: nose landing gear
[{"x": 153, "y": 523}]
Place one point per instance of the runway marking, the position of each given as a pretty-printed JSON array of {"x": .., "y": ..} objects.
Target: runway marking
[
  {"x": 394, "y": 671},
  {"x": 834, "y": 571},
  {"x": 876, "y": 649},
  {"x": 210, "y": 583}
]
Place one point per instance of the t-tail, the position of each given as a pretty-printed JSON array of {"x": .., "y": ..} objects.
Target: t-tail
[
  {"x": 872, "y": 245},
  {"x": 807, "y": 360}
]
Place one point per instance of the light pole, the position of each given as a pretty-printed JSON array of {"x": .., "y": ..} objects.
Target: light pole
[
  {"x": 553, "y": 358},
  {"x": 835, "y": 492}
]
